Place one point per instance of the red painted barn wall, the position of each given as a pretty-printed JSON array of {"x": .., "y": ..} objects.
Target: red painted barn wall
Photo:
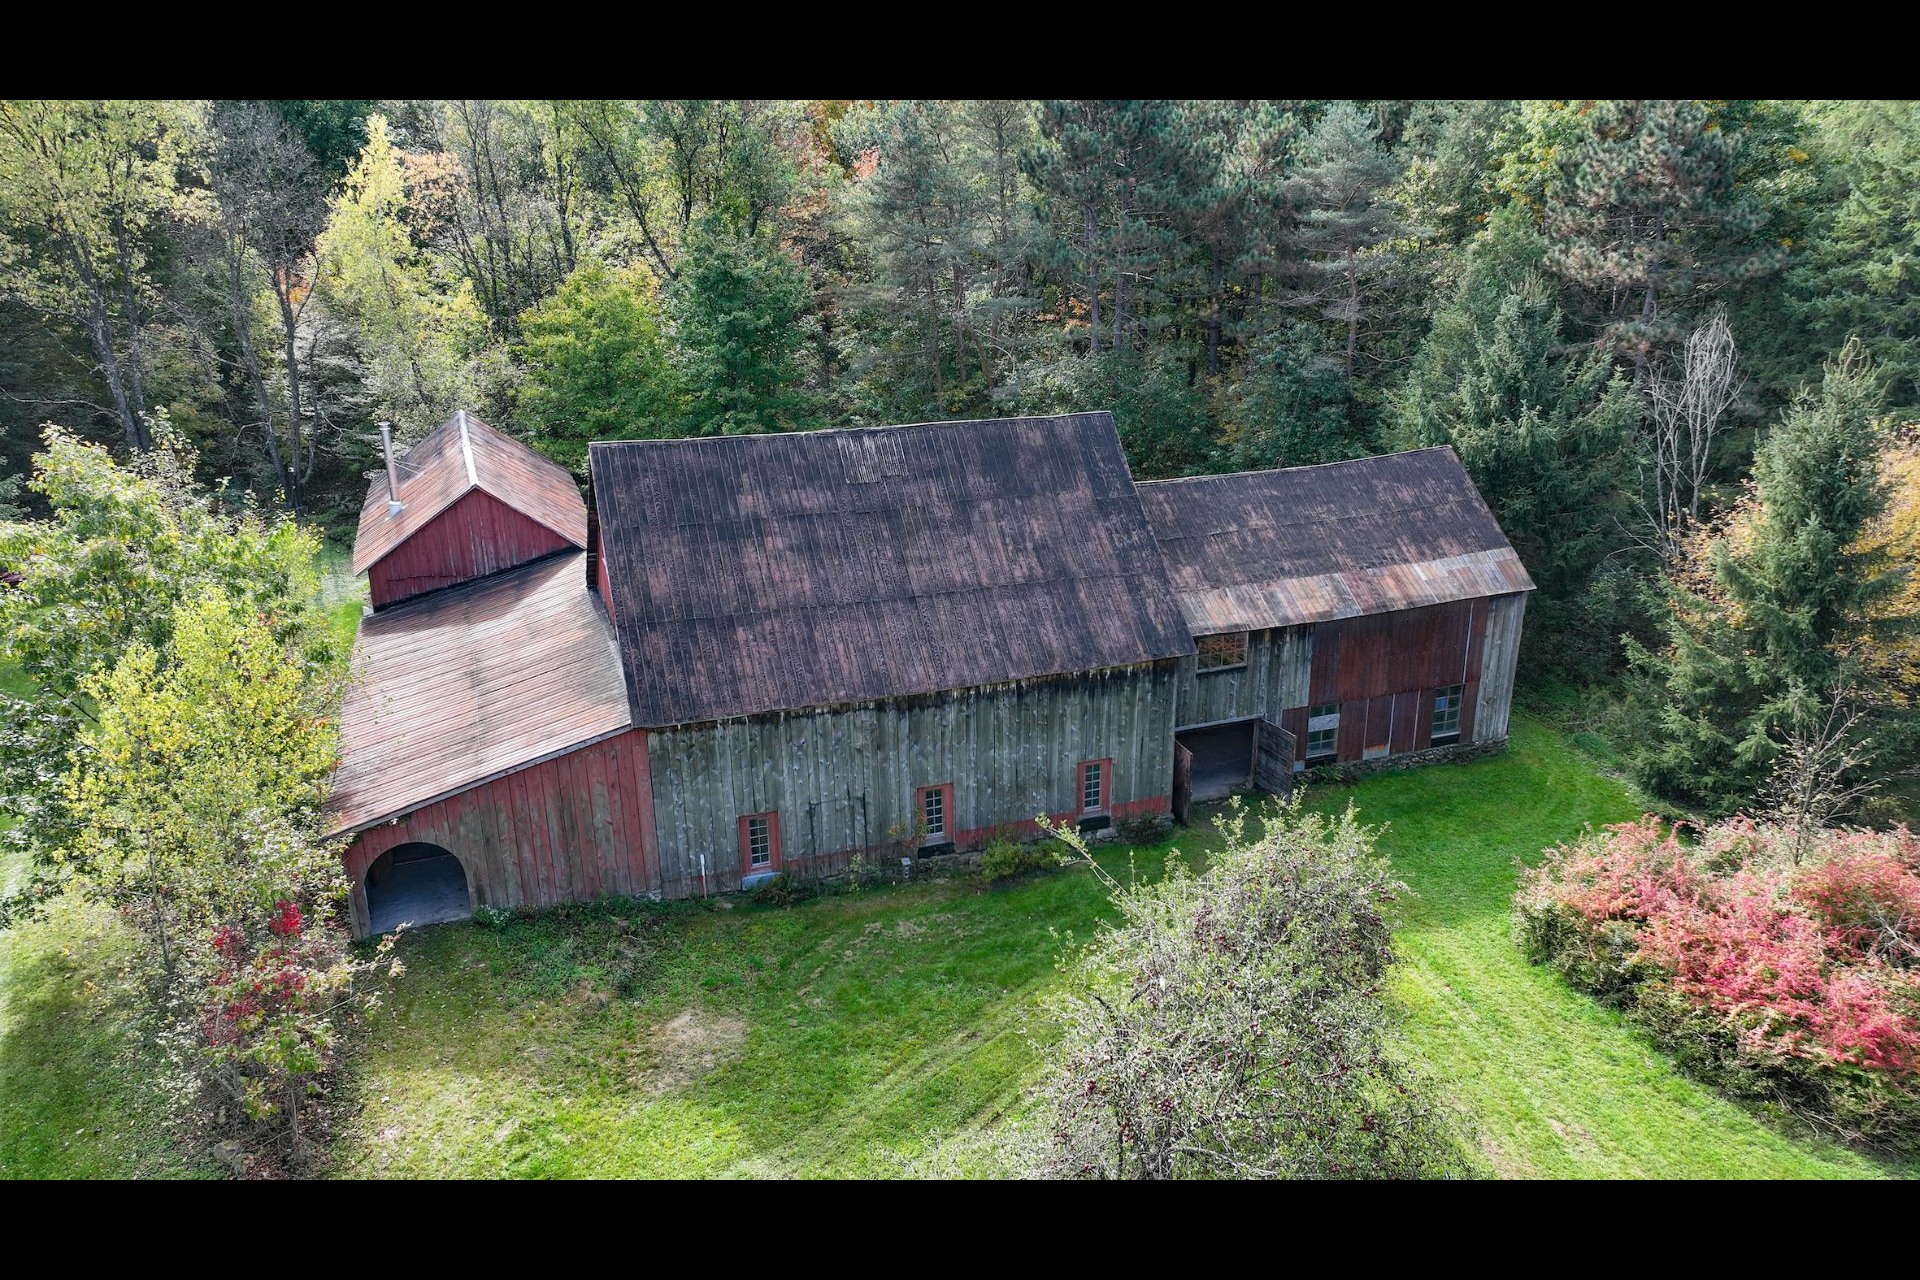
[
  {"x": 476, "y": 536},
  {"x": 565, "y": 830},
  {"x": 1383, "y": 669}
]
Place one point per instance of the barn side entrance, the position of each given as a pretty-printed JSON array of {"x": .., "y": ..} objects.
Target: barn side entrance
[
  {"x": 1222, "y": 758},
  {"x": 416, "y": 884},
  {"x": 1213, "y": 761}
]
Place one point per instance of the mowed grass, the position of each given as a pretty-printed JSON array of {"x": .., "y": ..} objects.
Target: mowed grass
[
  {"x": 829, "y": 1038},
  {"x": 1553, "y": 1084}
]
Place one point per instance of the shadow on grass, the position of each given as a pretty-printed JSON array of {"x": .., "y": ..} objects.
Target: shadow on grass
[{"x": 76, "y": 1099}]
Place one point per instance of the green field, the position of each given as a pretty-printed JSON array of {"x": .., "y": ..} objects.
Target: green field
[{"x": 834, "y": 1037}]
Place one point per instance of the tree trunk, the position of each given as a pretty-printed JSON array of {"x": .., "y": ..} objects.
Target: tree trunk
[{"x": 1093, "y": 288}]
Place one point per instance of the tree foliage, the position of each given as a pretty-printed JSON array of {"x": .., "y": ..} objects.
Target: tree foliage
[{"x": 1233, "y": 1024}]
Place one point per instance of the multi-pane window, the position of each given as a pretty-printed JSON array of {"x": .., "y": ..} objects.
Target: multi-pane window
[
  {"x": 1446, "y": 714},
  {"x": 1093, "y": 786},
  {"x": 933, "y": 813},
  {"x": 1323, "y": 731},
  {"x": 759, "y": 843},
  {"x": 1222, "y": 652}
]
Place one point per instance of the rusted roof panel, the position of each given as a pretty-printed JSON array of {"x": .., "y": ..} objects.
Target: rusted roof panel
[
  {"x": 460, "y": 455},
  {"x": 472, "y": 682},
  {"x": 1308, "y": 544},
  {"x": 762, "y": 573}
]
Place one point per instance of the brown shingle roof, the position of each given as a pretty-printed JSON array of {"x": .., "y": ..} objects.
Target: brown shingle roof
[
  {"x": 472, "y": 682},
  {"x": 762, "y": 573},
  {"x": 456, "y": 457},
  {"x": 1308, "y": 544}
]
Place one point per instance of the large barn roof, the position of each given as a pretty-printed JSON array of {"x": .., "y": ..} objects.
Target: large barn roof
[
  {"x": 1309, "y": 544},
  {"x": 470, "y": 683},
  {"x": 762, "y": 573},
  {"x": 458, "y": 456}
]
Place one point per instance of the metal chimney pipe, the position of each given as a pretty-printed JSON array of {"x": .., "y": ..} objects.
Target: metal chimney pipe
[{"x": 394, "y": 505}]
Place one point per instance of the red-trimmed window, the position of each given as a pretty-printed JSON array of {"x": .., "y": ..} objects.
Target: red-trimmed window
[
  {"x": 935, "y": 806},
  {"x": 759, "y": 843},
  {"x": 1096, "y": 785}
]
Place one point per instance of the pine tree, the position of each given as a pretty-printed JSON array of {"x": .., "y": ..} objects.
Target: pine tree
[
  {"x": 1644, "y": 213},
  {"x": 1862, "y": 271}
]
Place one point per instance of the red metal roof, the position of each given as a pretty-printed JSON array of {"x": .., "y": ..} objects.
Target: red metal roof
[
  {"x": 460, "y": 455},
  {"x": 1261, "y": 549},
  {"x": 472, "y": 682},
  {"x": 763, "y": 573}
]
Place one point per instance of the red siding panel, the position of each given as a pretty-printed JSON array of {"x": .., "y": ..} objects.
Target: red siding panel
[
  {"x": 474, "y": 537},
  {"x": 1406, "y": 718},
  {"x": 563, "y": 830}
]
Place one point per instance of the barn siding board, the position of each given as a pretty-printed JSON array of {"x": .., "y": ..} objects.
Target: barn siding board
[
  {"x": 1010, "y": 752},
  {"x": 1499, "y": 654},
  {"x": 1406, "y": 711},
  {"x": 536, "y": 837}
]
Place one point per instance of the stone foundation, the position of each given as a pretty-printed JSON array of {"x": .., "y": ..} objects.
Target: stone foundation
[{"x": 1354, "y": 770}]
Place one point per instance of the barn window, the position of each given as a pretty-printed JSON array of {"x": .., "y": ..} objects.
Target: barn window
[
  {"x": 1323, "y": 732},
  {"x": 1093, "y": 785},
  {"x": 1446, "y": 714},
  {"x": 936, "y": 814},
  {"x": 759, "y": 843},
  {"x": 1223, "y": 652}
]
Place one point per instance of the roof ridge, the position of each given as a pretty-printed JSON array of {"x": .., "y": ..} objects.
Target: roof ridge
[
  {"x": 843, "y": 431},
  {"x": 466, "y": 449},
  {"x": 1304, "y": 466}
]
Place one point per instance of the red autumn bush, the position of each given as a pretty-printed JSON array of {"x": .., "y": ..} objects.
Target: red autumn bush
[{"x": 1794, "y": 982}]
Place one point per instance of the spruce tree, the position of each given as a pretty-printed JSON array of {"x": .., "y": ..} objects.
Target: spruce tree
[
  {"x": 1761, "y": 642},
  {"x": 736, "y": 308}
]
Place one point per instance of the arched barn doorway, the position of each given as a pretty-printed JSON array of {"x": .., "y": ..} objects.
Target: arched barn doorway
[{"x": 416, "y": 884}]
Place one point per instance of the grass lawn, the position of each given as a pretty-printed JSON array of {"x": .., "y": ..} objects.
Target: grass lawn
[{"x": 831, "y": 1038}]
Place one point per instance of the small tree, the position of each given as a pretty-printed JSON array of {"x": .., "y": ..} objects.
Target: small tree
[
  {"x": 1683, "y": 420},
  {"x": 1232, "y": 1024},
  {"x": 1820, "y": 774},
  {"x": 597, "y": 364},
  {"x": 197, "y": 793},
  {"x": 102, "y": 576}
]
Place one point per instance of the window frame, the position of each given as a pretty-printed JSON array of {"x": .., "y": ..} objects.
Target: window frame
[
  {"x": 1105, "y": 807},
  {"x": 1322, "y": 718},
  {"x": 1457, "y": 696},
  {"x": 928, "y": 839},
  {"x": 1237, "y": 664},
  {"x": 772, "y": 819}
]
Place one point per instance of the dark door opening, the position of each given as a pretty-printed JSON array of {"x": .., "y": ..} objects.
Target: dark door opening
[
  {"x": 1222, "y": 759},
  {"x": 416, "y": 884}
]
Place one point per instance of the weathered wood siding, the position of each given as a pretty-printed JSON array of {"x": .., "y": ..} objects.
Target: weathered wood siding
[
  {"x": 845, "y": 779},
  {"x": 1501, "y": 651},
  {"x": 476, "y": 536},
  {"x": 564, "y": 830},
  {"x": 1275, "y": 678}
]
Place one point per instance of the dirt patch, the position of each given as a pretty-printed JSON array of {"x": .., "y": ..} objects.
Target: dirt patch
[{"x": 678, "y": 1052}]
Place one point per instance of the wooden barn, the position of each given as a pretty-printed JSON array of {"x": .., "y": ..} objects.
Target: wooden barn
[
  {"x": 1342, "y": 613},
  {"x": 774, "y": 653}
]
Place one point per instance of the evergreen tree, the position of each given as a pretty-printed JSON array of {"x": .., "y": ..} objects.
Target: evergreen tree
[
  {"x": 1861, "y": 274},
  {"x": 1339, "y": 193},
  {"x": 736, "y": 309},
  {"x": 1757, "y": 644},
  {"x": 1643, "y": 211},
  {"x": 597, "y": 365}
]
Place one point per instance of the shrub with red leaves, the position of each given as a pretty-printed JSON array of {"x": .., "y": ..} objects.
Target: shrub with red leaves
[{"x": 1802, "y": 979}]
